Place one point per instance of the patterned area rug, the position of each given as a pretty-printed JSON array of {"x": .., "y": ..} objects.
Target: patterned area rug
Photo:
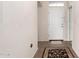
[{"x": 57, "y": 53}]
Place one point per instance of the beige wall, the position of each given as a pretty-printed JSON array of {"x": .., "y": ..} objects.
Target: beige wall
[
  {"x": 43, "y": 21},
  {"x": 75, "y": 15},
  {"x": 18, "y": 29}
]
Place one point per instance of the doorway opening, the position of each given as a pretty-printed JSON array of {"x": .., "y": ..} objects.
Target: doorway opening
[{"x": 56, "y": 21}]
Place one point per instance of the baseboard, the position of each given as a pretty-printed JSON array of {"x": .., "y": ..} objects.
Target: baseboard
[
  {"x": 73, "y": 52},
  {"x": 35, "y": 52}
]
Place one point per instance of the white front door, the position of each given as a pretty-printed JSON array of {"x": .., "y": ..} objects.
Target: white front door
[{"x": 56, "y": 23}]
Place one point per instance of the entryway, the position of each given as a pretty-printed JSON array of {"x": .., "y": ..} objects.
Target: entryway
[{"x": 57, "y": 26}]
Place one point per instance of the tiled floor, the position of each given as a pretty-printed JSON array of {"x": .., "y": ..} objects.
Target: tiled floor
[{"x": 45, "y": 44}]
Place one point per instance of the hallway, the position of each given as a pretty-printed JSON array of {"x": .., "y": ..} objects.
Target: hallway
[
  {"x": 39, "y": 29},
  {"x": 56, "y": 21}
]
